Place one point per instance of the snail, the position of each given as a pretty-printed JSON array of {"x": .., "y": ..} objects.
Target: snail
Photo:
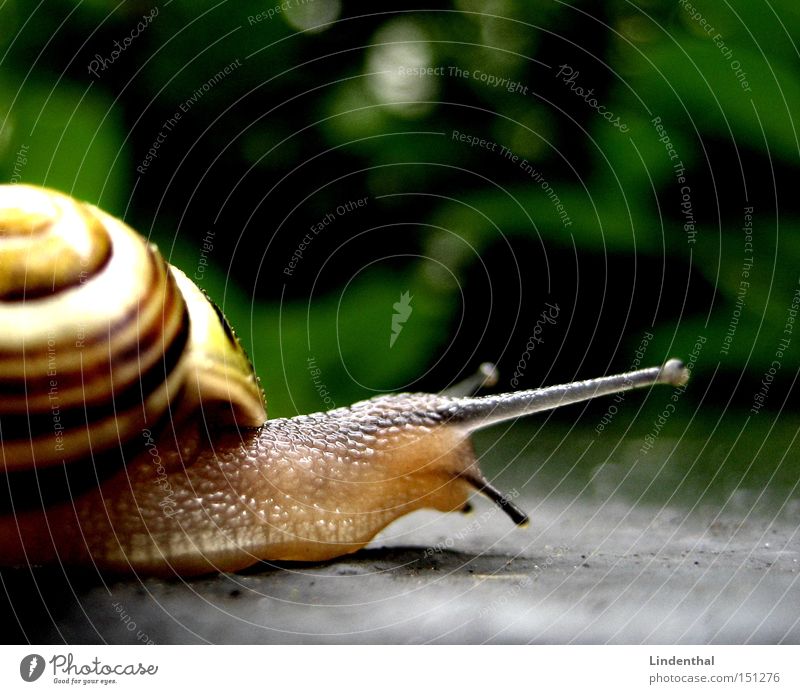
[{"x": 134, "y": 434}]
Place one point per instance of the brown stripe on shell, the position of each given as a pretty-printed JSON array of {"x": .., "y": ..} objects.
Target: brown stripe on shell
[
  {"x": 78, "y": 413},
  {"x": 118, "y": 430},
  {"x": 141, "y": 318},
  {"x": 39, "y": 487},
  {"x": 38, "y": 262},
  {"x": 91, "y": 382},
  {"x": 91, "y": 385}
]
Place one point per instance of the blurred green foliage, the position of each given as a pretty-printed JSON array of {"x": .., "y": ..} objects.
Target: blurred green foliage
[{"x": 320, "y": 109}]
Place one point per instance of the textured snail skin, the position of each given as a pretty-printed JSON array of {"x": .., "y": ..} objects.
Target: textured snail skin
[
  {"x": 309, "y": 488},
  {"x": 188, "y": 498}
]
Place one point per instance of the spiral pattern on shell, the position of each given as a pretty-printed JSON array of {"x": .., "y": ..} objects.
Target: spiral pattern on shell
[{"x": 100, "y": 337}]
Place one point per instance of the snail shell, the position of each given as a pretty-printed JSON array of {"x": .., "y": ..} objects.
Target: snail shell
[
  {"x": 111, "y": 363},
  {"x": 100, "y": 337}
]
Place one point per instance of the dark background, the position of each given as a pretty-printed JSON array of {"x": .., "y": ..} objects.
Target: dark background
[{"x": 317, "y": 112}]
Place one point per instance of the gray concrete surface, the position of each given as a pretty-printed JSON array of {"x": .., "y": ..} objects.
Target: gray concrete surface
[{"x": 588, "y": 572}]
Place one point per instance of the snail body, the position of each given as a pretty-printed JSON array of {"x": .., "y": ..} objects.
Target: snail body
[{"x": 145, "y": 485}]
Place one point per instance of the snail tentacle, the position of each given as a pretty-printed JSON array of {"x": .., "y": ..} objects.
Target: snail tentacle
[{"x": 477, "y": 413}]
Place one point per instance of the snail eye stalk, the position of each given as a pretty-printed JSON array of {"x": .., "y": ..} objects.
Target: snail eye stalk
[{"x": 514, "y": 512}]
